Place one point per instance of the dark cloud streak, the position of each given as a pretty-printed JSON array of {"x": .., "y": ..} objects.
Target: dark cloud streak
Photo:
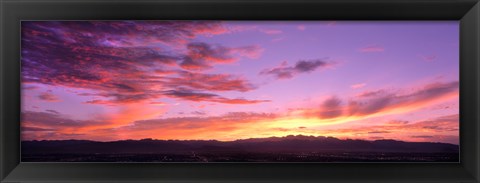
[{"x": 303, "y": 66}]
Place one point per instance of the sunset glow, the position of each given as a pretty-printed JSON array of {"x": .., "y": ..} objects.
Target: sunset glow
[{"x": 228, "y": 80}]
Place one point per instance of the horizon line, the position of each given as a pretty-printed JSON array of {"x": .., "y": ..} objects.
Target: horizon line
[{"x": 299, "y": 135}]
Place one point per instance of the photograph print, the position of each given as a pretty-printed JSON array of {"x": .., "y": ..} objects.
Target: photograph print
[{"x": 239, "y": 91}]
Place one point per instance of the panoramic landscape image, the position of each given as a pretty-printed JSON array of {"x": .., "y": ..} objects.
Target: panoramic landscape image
[{"x": 240, "y": 91}]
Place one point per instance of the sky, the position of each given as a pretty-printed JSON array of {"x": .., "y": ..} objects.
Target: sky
[{"x": 228, "y": 80}]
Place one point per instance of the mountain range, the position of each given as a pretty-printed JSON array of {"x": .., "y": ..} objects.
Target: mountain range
[{"x": 291, "y": 143}]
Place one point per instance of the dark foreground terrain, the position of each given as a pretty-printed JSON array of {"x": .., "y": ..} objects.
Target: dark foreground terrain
[
  {"x": 246, "y": 157},
  {"x": 275, "y": 149}
]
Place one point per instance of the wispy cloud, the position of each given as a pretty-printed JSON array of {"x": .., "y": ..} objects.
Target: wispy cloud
[
  {"x": 331, "y": 108},
  {"x": 384, "y": 102},
  {"x": 36, "y": 129},
  {"x": 440, "y": 129},
  {"x": 203, "y": 55},
  {"x": 198, "y": 126},
  {"x": 209, "y": 97},
  {"x": 52, "y": 111},
  {"x": 179, "y": 80},
  {"x": 210, "y": 82},
  {"x": 303, "y": 66},
  {"x": 54, "y": 121},
  {"x": 49, "y": 97},
  {"x": 358, "y": 85},
  {"x": 115, "y": 58}
]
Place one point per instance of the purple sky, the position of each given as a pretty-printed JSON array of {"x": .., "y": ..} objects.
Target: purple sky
[{"x": 240, "y": 79}]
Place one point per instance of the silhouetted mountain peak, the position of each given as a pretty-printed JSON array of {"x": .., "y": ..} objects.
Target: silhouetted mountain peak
[{"x": 290, "y": 143}]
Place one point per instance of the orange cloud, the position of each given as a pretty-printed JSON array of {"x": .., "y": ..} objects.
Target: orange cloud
[
  {"x": 228, "y": 126},
  {"x": 134, "y": 122}
]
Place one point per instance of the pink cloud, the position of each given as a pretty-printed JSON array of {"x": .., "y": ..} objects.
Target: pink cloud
[
  {"x": 384, "y": 102},
  {"x": 202, "y": 56},
  {"x": 437, "y": 129},
  {"x": 210, "y": 82},
  {"x": 358, "y": 85},
  {"x": 115, "y": 60},
  {"x": 371, "y": 93}
]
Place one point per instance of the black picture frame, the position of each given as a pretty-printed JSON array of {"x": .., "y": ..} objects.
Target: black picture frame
[{"x": 13, "y": 11}]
